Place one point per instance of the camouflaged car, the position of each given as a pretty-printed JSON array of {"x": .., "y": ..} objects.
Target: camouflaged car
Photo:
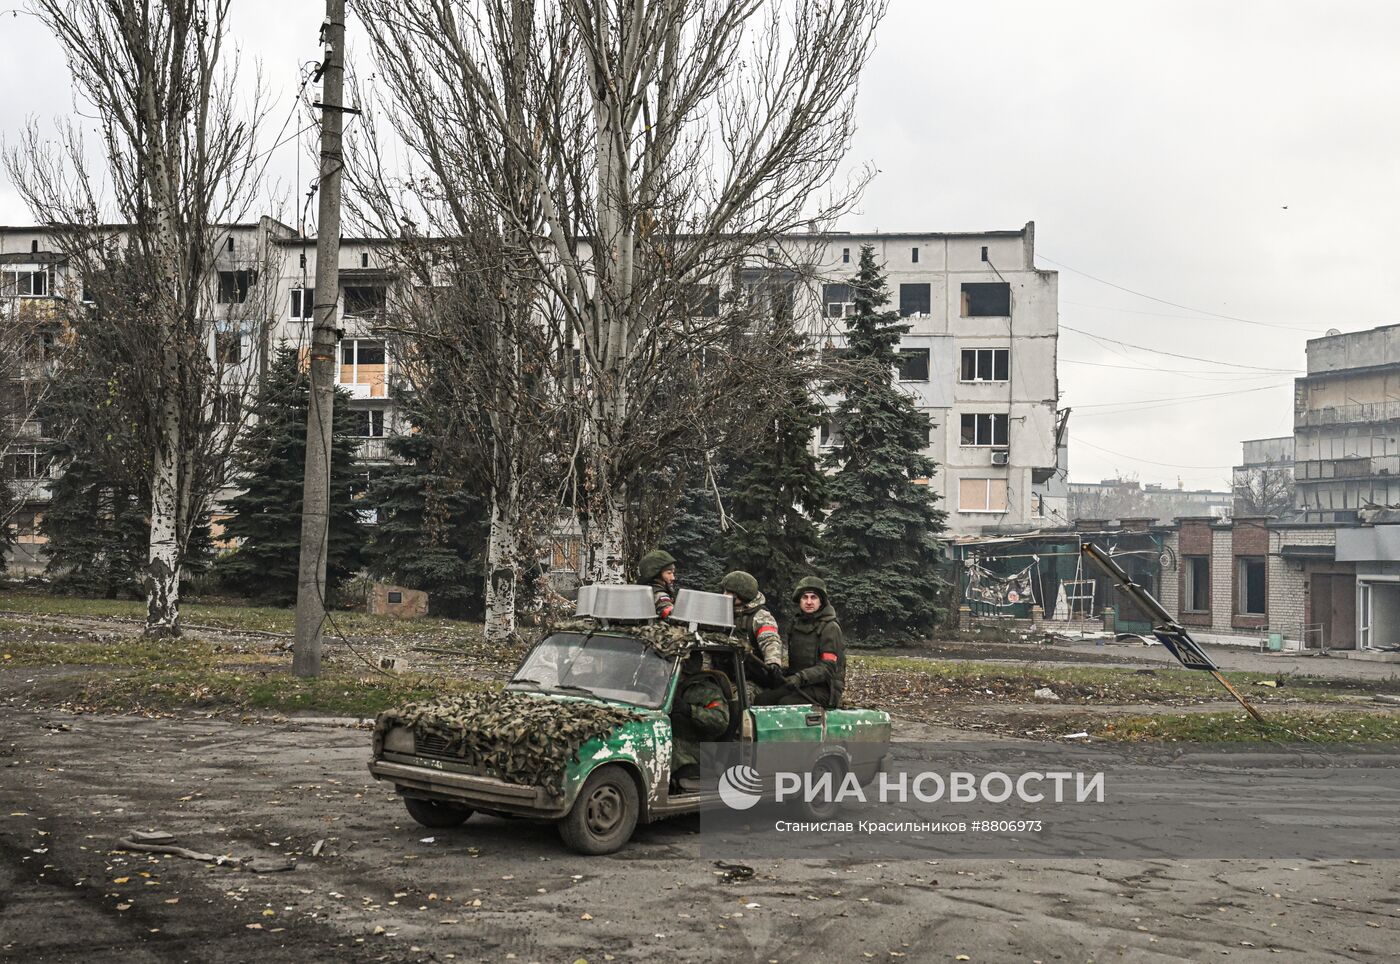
[{"x": 581, "y": 734}]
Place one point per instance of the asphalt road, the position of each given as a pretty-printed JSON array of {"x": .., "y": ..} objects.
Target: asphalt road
[{"x": 384, "y": 889}]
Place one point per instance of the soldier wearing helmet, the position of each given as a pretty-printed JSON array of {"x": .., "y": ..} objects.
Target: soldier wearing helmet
[
  {"x": 658, "y": 570},
  {"x": 817, "y": 652},
  {"x": 754, "y": 624}
]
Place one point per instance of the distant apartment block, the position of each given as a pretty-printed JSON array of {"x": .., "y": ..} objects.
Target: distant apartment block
[
  {"x": 1346, "y": 425},
  {"x": 1131, "y": 499}
]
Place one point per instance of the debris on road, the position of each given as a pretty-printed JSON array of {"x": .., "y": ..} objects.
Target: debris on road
[
  {"x": 258, "y": 865},
  {"x": 734, "y": 872}
]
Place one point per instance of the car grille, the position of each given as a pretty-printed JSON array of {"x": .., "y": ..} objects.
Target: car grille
[{"x": 430, "y": 744}]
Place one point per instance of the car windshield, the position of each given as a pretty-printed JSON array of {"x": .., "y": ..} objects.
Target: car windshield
[{"x": 608, "y": 667}]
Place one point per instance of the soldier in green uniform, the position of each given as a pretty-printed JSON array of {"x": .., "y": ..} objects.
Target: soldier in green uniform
[
  {"x": 817, "y": 652},
  {"x": 755, "y": 625},
  {"x": 658, "y": 570},
  {"x": 699, "y": 714}
]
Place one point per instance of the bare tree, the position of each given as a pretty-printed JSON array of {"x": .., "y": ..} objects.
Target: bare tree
[
  {"x": 178, "y": 146},
  {"x": 657, "y": 147},
  {"x": 1264, "y": 490}
]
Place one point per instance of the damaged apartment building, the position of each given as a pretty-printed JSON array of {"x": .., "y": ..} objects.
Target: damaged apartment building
[
  {"x": 980, "y": 357},
  {"x": 259, "y": 296},
  {"x": 1309, "y": 557}
]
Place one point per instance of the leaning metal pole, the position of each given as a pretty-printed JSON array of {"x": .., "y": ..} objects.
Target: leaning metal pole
[
  {"x": 316, "y": 482},
  {"x": 1168, "y": 631}
]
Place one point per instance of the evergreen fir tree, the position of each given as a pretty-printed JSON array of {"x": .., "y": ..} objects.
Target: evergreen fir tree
[
  {"x": 432, "y": 528},
  {"x": 776, "y": 491},
  {"x": 692, "y": 535},
  {"x": 881, "y": 540},
  {"x": 266, "y": 516},
  {"x": 96, "y": 523}
]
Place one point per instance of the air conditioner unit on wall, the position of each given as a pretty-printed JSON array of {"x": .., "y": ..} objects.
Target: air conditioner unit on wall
[{"x": 1001, "y": 457}]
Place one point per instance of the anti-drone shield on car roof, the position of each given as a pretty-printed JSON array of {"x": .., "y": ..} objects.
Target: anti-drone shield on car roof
[
  {"x": 628, "y": 603},
  {"x": 713, "y": 609}
]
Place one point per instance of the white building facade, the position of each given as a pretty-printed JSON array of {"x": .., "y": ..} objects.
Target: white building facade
[{"x": 979, "y": 358}]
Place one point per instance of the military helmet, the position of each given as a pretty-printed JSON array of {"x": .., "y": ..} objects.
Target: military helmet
[
  {"x": 741, "y": 584},
  {"x": 654, "y": 563},
  {"x": 811, "y": 584}
]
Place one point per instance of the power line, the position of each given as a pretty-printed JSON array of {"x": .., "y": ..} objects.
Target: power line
[
  {"x": 1170, "y": 403},
  {"x": 1173, "y": 304},
  {"x": 1170, "y": 354},
  {"x": 1179, "y": 398},
  {"x": 1168, "y": 371},
  {"x": 1167, "y": 465}
]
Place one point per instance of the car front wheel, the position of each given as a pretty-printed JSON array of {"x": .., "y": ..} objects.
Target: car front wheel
[
  {"x": 604, "y": 815},
  {"x": 436, "y": 814}
]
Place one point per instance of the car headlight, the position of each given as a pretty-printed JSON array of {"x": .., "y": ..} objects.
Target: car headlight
[{"x": 398, "y": 740}]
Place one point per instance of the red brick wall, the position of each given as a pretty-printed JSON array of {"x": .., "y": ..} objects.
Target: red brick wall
[
  {"x": 1195, "y": 540},
  {"x": 1249, "y": 537}
]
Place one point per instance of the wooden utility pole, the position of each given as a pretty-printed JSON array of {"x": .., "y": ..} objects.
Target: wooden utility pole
[{"x": 316, "y": 484}]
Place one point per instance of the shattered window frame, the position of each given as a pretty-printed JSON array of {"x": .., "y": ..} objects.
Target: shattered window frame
[
  {"x": 1251, "y": 586},
  {"x": 1196, "y": 577},
  {"x": 986, "y": 299}
]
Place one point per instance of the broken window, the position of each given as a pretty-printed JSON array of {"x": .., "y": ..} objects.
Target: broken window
[
  {"x": 1249, "y": 591},
  {"x": 1197, "y": 588},
  {"x": 983, "y": 429},
  {"x": 837, "y": 300},
  {"x": 986, "y": 364},
  {"x": 303, "y": 302},
  {"x": 362, "y": 351},
  {"x": 369, "y": 422},
  {"x": 361, "y": 300},
  {"x": 982, "y": 495},
  {"x": 228, "y": 347},
  {"x": 234, "y": 286},
  {"x": 986, "y": 298},
  {"x": 830, "y": 434},
  {"x": 24, "y": 284},
  {"x": 913, "y": 364},
  {"x": 24, "y": 465},
  {"x": 914, "y": 299}
]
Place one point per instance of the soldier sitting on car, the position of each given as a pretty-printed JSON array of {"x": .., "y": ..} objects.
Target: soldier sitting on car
[
  {"x": 817, "y": 669},
  {"x": 699, "y": 714},
  {"x": 755, "y": 626},
  {"x": 658, "y": 570}
]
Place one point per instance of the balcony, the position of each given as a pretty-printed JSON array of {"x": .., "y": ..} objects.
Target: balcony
[
  {"x": 373, "y": 450},
  {"x": 1361, "y": 467},
  {"x": 1347, "y": 414}
]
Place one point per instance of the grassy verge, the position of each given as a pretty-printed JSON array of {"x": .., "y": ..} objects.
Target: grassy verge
[
  {"x": 139, "y": 675},
  {"x": 267, "y": 619},
  {"x": 904, "y": 679},
  {"x": 1281, "y": 727}
]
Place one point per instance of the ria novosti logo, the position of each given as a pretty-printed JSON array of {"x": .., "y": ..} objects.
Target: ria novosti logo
[{"x": 740, "y": 787}]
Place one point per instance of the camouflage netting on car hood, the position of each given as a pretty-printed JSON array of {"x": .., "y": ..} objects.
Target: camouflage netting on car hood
[
  {"x": 517, "y": 738},
  {"x": 668, "y": 639}
]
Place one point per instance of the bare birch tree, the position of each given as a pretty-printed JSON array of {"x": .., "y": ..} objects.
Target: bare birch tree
[
  {"x": 177, "y": 141},
  {"x": 660, "y": 146}
]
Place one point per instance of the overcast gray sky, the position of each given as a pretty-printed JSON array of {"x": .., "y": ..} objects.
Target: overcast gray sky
[{"x": 1233, "y": 158}]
